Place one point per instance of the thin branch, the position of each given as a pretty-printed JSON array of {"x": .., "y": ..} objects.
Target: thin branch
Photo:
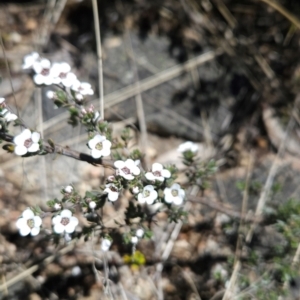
[{"x": 65, "y": 151}]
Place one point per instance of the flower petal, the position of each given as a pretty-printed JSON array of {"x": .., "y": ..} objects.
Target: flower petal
[
  {"x": 66, "y": 213},
  {"x": 166, "y": 173},
  {"x": 177, "y": 200},
  {"x": 150, "y": 176},
  {"x": 20, "y": 150},
  {"x": 59, "y": 228},
  {"x": 113, "y": 196},
  {"x": 28, "y": 214},
  {"x": 34, "y": 148},
  {"x": 157, "y": 167},
  {"x": 119, "y": 164},
  {"x": 35, "y": 136},
  {"x": 25, "y": 230},
  {"x": 35, "y": 231},
  {"x": 21, "y": 223},
  {"x": 56, "y": 219},
  {"x": 37, "y": 221},
  {"x": 96, "y": 153}
]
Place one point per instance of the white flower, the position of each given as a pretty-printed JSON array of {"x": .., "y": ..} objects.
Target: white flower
[
  {"x": 113, "y": 192},
  {"x": 135, "y": 190},
  {"x": 68, "y": 189},
  {"x": 134, "y": 239},
  {"x": 64, "y": 222},
  {"x": 105, "y": 244},
  {"x": 158, "y": 173},
  {"x": 57, "y": 206},
  {"x": 139, "y": 233},
  {"x": 82, "y": 88},
  {"x": 188, "y": 146},
  {"x": 50, "y": 95},
  {"x": 2, "y": 100},
  {"x": 29, "y": 223},
  {"x": 96, "y": 117},
  {"x": 127, "y": 169},
  {"x": 27, "y": 141},
  {"x": 30, "y": 60},
  {"x": 79, "y": 97},
  {"x": 148, "y": 195},
  {"x": 92, "y": 205},
  {"x": 8, "y": 116},
  {"x": 43, "y": 74},
  {"x": 100, "y": 146},
  {"x": 61, "y": 73},
  {"x": 174, "y": 194}
]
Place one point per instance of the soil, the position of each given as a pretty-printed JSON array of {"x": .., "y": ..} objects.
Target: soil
[{"x": 236, "y": 106}]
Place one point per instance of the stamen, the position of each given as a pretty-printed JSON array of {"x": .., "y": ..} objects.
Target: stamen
[
  {"x": 28, "y": 143},
  {"x": 65, "y": 221}
]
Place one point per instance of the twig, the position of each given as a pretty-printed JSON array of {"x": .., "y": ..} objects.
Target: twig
[
  {"x": 67, "y": 152},
  {"x": 99, "y": 57}
]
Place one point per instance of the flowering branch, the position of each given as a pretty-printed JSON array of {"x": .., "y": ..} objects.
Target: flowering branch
[{"x": 66, "y": 151}]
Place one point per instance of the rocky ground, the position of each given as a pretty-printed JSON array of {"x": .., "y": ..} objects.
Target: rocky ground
[{"x": 222, "y": 73}]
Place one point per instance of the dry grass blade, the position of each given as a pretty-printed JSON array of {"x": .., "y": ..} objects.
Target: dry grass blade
[
  {"x": 99, "y": 57},
  {"x": 144, "y": 85},
  {"x": 267, "y": 187},
  {"x": 284, "y": 12},
  {"x": 31, "y": 270}
]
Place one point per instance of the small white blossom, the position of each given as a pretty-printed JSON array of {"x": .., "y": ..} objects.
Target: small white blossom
[
  {"x": 96, "y": 117},
  {"x": 68, "y": 189},
  {"x": 79, "y": 97},
  {"x": 100, "y": 146},
  {"x": 61, "y": 73},
  {"x": 134, "y": 239},
  {"x": 8, "y": 116},
  {"x": 135, "y": 190},
  {"x": 29, "y": 223},
  {"x": 113, "y": 192},
  {"x": 174, "y": 194},
  {"x": 76, "y": 271},
  {"x": 43, "y": 74},
  {"x": 83, "y": 88},
  {"x": 158, "y": 173},
  {"x": 92, "y": 205},
  {"x": 30, "y": 60},
  {"x": 50, "y": 95},
  {"x": 188, "y": 146},
  {"x": 57, "y": 206},
  {"x": 149, "y": 195},
  {"x": 26, "y": 141},
  {"x": 105, "y": 244},
  {"x": 2, "y": 100},
  {"x": 127, "y": 169},
  {"x": 64, "y": 222},
  {"x": 139, "y": 233},
  {"x": 111, "y": 178}
]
